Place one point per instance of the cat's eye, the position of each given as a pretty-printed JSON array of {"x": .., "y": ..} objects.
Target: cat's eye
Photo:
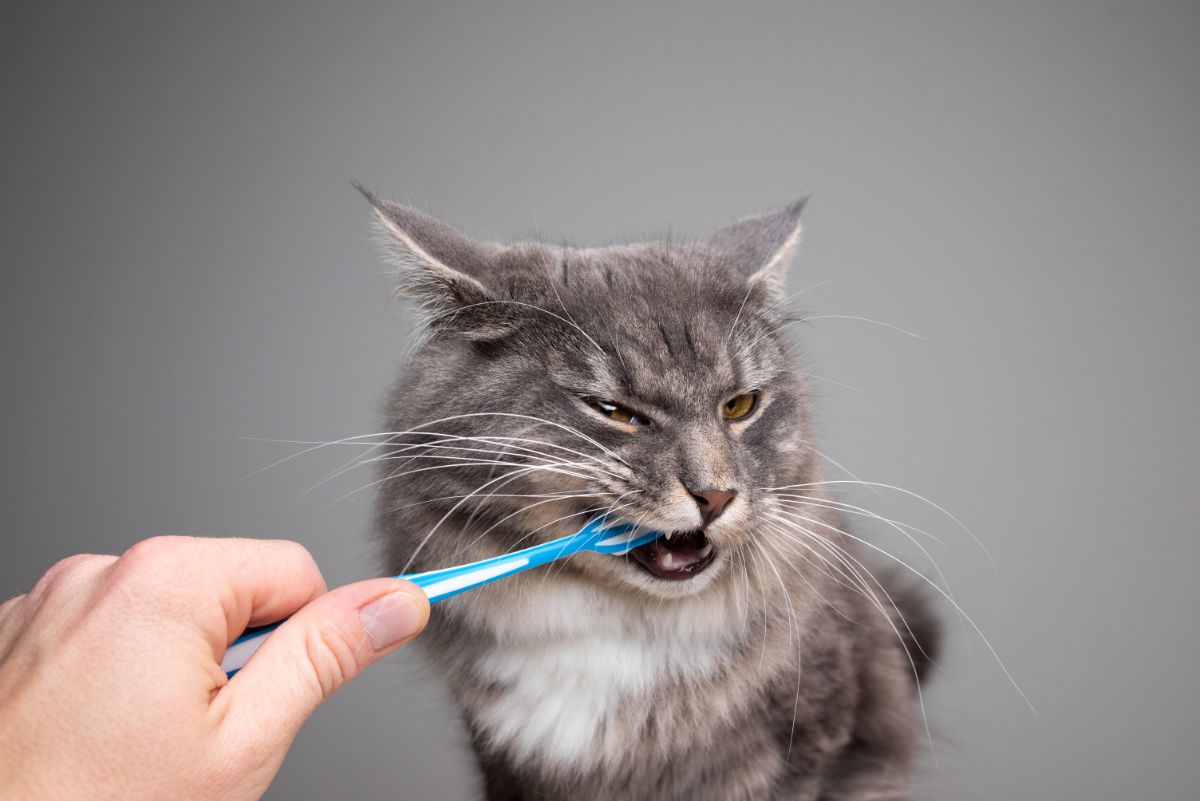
[
  {"x": 739, "y": 406},
  {"x": 618, "y": 413}
]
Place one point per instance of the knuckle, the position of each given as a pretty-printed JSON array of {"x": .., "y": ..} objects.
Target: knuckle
[
  {"x": 149, "y": 559},
  {"x": 155, "y": 550},
  {"x": 9, "y": 609},
  {"x": 68, "y": 572},
  {"x": 310, "y": 563},
  {"x": 150, "y": 568},
  {"x": 302, "y": 553},
  {"x": 290, "y": 549}
]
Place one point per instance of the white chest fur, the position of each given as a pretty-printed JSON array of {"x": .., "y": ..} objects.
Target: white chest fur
[{"x": 574, "y": 658}]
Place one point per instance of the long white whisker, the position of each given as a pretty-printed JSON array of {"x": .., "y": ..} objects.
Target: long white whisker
[
  {"x": 909, "y": 493},
  {"x": 948, "y": 592},
  {"x": 849, "y": 508},
  {"x": 950, "y": 599},
  {"x": 557, "y": 469},
  {"x": 794, "y": 638},
  {"x": 842, "y": 555},
  {"x": 398, "y": 455},
  {"x": 863, "y": 320}
]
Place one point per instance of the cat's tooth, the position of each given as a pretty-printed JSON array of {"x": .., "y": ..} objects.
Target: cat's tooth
[
  {"x": 668, "y": 561},
  {"x": 706, "y": 550}
]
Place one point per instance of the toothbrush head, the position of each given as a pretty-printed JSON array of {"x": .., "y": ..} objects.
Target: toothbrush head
[{"x": 618, "y": 539}]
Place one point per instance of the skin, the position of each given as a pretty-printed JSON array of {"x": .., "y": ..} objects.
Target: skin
[{"x": 110, "y": 679}]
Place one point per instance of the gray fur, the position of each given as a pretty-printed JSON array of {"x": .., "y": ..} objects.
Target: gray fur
[{"x": 769, "y": 676}]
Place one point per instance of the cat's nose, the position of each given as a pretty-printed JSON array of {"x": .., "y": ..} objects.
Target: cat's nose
[{"x": 712, "y": 502}]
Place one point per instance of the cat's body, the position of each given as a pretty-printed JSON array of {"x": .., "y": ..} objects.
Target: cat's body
[{"x": 747, "y": 658}]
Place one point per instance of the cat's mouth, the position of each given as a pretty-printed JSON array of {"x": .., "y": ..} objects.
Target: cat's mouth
[{"x": 678, "y": 556}]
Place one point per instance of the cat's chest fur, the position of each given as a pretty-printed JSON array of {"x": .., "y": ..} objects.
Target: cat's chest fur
[{"x": 573, "y": 673}]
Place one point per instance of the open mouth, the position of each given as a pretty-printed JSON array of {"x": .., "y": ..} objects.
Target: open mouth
[{"x": 677, "y": 556}]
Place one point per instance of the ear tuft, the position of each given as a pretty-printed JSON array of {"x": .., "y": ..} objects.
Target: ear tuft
[
  {"x": 761, "y": 247},
  {"x": 442, "y": 268}
]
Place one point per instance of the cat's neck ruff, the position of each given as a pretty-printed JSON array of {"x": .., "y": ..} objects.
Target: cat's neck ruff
[{"x": 565, "y": 657}]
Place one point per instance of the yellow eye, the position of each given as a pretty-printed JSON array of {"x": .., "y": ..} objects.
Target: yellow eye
[
  {"x": 618, "y": 413},
  {"x": 739, "y": 406}
]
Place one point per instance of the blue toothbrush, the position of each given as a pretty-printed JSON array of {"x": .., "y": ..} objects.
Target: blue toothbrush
[{"x": 617, "y": 539}]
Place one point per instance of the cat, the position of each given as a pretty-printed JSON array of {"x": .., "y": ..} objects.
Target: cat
[{"x": 749, "y": 654}]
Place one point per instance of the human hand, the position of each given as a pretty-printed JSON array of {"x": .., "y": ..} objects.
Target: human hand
[{"x": 110, "y": 684}]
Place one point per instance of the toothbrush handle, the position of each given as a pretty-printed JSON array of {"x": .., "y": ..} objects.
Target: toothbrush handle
[
  {"x": 450, "y": 581},
  {"x": 437, "y": 584}
]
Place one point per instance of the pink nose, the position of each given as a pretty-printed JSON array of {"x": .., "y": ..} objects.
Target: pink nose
[{"x": 713, "y": 502}]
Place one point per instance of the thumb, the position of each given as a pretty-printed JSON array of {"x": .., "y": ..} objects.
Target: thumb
[{"x": 315, "y": 652}]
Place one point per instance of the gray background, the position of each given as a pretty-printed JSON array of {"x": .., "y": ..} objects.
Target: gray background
[{"x": 185, "y": 265}]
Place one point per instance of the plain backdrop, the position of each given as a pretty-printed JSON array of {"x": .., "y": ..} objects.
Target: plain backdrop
[{"x": 188, "y": 272}]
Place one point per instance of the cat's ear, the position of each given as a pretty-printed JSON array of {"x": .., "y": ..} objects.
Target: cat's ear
[
  {"x": 444, "y": 269},
  {"x": 761, "y": 247}
]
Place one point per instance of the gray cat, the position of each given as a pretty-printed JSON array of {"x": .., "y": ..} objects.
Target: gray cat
[{"x": 749, "y": 655}]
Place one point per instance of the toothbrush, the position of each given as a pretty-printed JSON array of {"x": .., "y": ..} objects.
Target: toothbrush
[{"x": 617, "y": 539}]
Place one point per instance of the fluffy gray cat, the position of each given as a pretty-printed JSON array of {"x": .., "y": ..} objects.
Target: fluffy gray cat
[{"x": 750, "y": 654}]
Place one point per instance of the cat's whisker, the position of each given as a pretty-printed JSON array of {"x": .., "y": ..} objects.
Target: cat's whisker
[
  {"x": 389, "y": 437},
  {"x": 843, "y": 468},
  {"x": 853, "y": 580},
  {"x": 416, "y": 551},
  {"x": 836, "y": 383},
  {"x": 849, "y": 561},
  {"x": 458, "y": 505},
  {"x": 852, "y": 564},
  {"x": 794, "y": 635},
  {"x": 792, "y": 515},
  {"x": 508, "y": 446},
  {"x": 316, "y": 446},
  {"x": 525, "y": 509},
  {"x": 909, "y": 493},
  {"x": 606, "y": 511},
  {"x": 508, "y": 443},
  {"x": 787, "y": 300},
  {"x": 568, "y": 429},
  {"x": 743, "y": 598},
  {"x": 806, "y": 501},
  {"x": 851, "y": 571},
  {"x": 444, "y": 498},
  {"x": 463, "y": 458},
  {"x": 849, "y": 508},
  {"x": 842, "y": 555},
  {"x": 763, "y": 607},
  {"x": 778, "y": 577},
  {"x": 595, "y": 478},
  {"x": 557, "y": 469},
  {"x": 572, "y": 469},
  {"x": 398, "y": 455},
  {"x": 862, "y": 320},
  {"x": 950, "y": 599},
  {"x": 798, "y": 548}
]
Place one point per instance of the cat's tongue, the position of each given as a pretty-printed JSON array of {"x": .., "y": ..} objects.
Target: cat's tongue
[{"x": 681, "y": 557}]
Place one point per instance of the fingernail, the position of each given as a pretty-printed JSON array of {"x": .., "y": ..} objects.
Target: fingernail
[{"x": 392, "y": 618}]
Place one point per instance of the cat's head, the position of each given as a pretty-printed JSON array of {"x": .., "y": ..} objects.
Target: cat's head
[{"x": 650, "y": 381}]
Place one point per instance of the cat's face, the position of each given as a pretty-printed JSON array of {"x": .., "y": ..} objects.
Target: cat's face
[{"x": 649, "y": 382}]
